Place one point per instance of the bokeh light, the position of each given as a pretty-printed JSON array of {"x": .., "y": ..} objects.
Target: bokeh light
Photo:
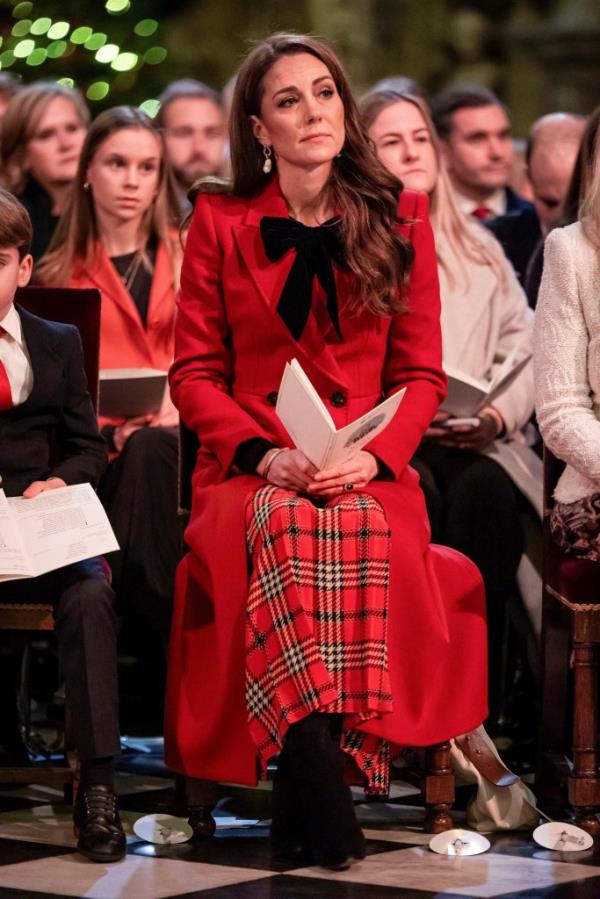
[
  {"x": 95, "y": 41},
  {"x": 68, "y": 82},
  {"x": 81, "y": 34},
  {"x": 107, "y": 53},
  {"x": 24, "y": 48},
  {"x": 117, "y": 6},
  {"x": 20, "y": 29},
  {"x": 98, "y": 90},
  {"x": 155, "y": 55},
  {"x": 41, "y": 26},
  {"x": 146, "y": 27},
  {"x": 150, "y": 107},
  {"x": 56, "y": 49},
  {"x": 59, "y": 30},
  {"x": 124, "y": 62},
  {"x": 38, "y": 57},
  {"x": 22, "y": 9}
]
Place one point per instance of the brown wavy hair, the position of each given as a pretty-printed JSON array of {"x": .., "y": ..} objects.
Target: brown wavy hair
[
  {"x": 76, "y": 239},
  {"x": 361, "y": 188},
  {"x": 21, "y": 120}
]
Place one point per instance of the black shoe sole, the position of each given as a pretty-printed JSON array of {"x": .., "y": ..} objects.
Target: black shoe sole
[{"x": 101, "y": 857}]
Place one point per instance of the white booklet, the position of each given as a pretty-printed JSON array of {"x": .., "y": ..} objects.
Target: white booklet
[
  {"x": 467, "y": 395},
  {"x": 312, "y": 429},
  {"x": 53, "y": 529},
  {"x": 130, "y": 392}
]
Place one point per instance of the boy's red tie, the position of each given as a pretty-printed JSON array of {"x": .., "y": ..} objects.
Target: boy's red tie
[{"x": 6, "y": 400}]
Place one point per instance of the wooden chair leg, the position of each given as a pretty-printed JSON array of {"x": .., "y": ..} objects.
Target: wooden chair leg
[
  {"x": 438, "y": 788},
  {"x": 201, "y": 796},
  {"x": 584, "y": 784}
]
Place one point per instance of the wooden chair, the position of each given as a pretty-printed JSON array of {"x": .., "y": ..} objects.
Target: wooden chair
[
  {"x": 569, "y": 749},
  {"x": 434, "y": 777},
  {"x": 80, "y": 308}
]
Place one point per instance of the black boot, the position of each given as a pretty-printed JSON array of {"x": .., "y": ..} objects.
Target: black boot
[
  {"x": 323, "y": 799},
  {"x": 97, "y": 824},
  {"x": 287, "y": 826}
]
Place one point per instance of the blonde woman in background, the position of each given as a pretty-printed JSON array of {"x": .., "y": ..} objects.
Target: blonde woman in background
[
  {"x": 43, "y": 130},
  {"x": 475, "y": 479}
]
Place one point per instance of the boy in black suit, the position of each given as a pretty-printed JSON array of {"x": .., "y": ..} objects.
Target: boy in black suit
[{"x": 45, "y": 406}]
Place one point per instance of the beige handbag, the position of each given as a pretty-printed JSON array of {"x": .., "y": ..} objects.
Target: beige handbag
[{"x": 502, "y": 800}]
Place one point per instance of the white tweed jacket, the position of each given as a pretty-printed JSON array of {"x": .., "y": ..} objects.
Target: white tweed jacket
[{"x": 567, "y": 359}]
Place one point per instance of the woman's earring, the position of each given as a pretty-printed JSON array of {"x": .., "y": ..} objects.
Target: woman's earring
[
  {"x": 268, "y": 163},
  {"x": 86, "y": 185}
]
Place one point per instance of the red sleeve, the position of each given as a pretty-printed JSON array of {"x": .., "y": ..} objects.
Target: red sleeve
[
  {"x": 201, "y": 375},
  {"x": 414, "y": 357}
]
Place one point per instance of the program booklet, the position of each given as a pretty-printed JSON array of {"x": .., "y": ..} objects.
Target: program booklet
[
  {"x": 53, "y": 529},
  {"x": 312, "y": 429},
  {"x": 131, "y": 392},
  {"x": 467, "y": 395}
]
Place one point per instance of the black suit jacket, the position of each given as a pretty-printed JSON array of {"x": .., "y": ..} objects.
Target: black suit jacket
[
  {"x": 54, "y": 432},
  {"x": 519, "y": 232}
]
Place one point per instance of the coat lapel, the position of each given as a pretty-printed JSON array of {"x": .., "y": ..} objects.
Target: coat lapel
[
  {"x": 105, "y": 277},
  {"x": 270, "y": 277},
  {"x": 46, "y": 362}
]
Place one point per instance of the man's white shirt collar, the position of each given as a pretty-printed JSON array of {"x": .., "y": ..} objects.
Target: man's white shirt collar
[{"x": 496, "y": 202}]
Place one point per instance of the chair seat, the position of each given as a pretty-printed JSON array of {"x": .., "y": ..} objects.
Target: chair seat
[
  {"x": 574, "y": 582},
  {"x": 26, "y": 616}
]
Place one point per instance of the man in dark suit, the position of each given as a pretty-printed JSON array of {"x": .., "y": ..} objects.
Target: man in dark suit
[
  {"x": 551, "y": 152},
  {"x": 476, "y": 143},
  {"x": 48, "y": 439}
]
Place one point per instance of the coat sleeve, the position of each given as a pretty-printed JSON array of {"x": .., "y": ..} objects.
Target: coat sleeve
[
  {"x": 201, "y": 375},
  {"x": 414, "y": 354},
  {"x": 515, "y": 403},
  {"x": 562, "y": 389},
  {"x": 82, "y": 451}
]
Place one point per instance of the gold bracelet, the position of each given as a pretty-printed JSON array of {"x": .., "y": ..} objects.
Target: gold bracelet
[{"x": 274, "y": 453}]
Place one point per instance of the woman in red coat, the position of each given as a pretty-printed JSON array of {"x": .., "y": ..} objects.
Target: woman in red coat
[{"x": 312, "y": 617}]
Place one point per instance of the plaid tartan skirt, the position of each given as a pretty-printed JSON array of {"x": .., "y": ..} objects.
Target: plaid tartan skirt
[{"x": 317, "y": 619}]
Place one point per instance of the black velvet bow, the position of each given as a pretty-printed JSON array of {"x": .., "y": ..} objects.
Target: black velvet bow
[{"x": 315, "y": 250}]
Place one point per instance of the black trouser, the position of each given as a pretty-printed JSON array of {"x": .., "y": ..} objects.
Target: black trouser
[
  {"x": 86, "y": 634},
  {"x": 474, "y": 507},
  {"x": 139, "y": 493}
]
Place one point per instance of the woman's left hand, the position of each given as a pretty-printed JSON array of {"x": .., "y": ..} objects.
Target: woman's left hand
[{"x": 358, "y": 470}]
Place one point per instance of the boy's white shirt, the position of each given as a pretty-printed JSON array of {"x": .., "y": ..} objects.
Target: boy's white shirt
[{"x": 15, "y": 357}]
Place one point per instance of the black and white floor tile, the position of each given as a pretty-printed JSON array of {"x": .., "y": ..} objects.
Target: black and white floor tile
[{"x": 38, "y": 857}]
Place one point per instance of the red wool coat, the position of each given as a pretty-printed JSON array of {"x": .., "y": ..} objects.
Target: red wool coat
[{"x": 230, "y": 351}]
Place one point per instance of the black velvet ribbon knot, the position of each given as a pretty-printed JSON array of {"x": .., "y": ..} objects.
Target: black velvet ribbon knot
[{"x": 315, "y": 250}]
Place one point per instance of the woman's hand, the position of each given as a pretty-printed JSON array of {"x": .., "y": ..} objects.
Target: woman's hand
[
  {"x": 474, "y": 438},
  {"x": 358, "y": 470},
  {"x": 37, "y": 487},
  {"x": 290, "y": 468},
  {"x": 167, "y": 416},
  {"x": 433, "y": 432},
  {"x": 123, "y": 432}
]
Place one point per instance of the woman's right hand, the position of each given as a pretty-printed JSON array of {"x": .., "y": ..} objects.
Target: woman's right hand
[
  {"x": 123, "y": 432},
  {"x": 433, "y": 432},
  {"x": 291, "y": 469}
]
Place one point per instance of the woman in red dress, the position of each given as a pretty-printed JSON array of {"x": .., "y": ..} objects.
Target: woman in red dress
[{"x": 312, "y": 618}]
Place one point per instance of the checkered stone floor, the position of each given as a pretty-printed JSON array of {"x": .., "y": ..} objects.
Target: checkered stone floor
[{"x": 38, "y": 857}]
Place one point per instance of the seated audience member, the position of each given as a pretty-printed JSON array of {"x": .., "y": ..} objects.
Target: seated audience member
[
  {"x": 195, "y": 131},
  {"x": 567, "y": 367},
  {"x": 9, "y": 86},
  {"x": 50, "y": 439},
  {"x": 477, "y": 148},
  {"x": 551, "y": 152},
  {"x": 575, "y": 194},
  {"x": 518, "y": 180},
  {"x": 300, "y": 584},
  {"x": 474, "y": 479},
  {"x": 42, "y": 133},
  {"x": 117, "y": 237}
]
